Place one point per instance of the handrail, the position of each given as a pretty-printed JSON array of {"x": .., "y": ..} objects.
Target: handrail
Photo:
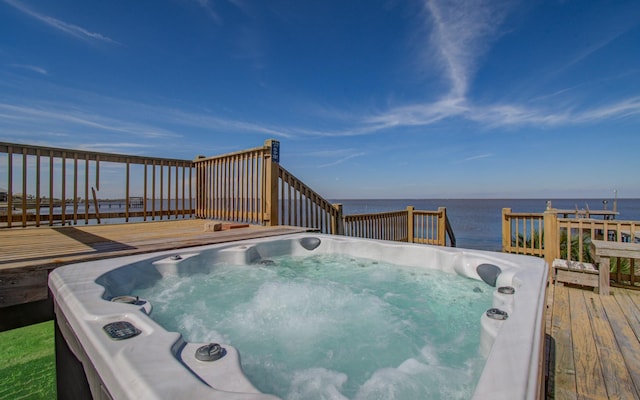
[
  {"x": 302, "y": 206},
  {"x": 48, "y": 168},
  {"x": 410, "y": 225},
  {"x": 449, "y": 231},
  {"x": 251, "y": 186}
]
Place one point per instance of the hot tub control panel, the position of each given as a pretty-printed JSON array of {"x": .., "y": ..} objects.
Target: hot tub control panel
[{"x": 121, "y": 330}]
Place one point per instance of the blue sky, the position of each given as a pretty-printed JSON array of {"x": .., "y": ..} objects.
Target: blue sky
[{"x": 369, "y": 99}]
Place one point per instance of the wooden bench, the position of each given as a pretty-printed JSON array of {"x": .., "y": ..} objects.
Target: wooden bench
[
  {"x": 580, "y": 273},
  {"x": 602, "y": 251}
]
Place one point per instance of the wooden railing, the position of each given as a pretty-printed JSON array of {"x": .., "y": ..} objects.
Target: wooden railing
[
  {"x": 250, "y": 186},
  {"x": 301, "y": 206},
  {"x": 546, "y": 235},
  {"x": 410, "y": 225},
  {"x": 579, "y": 233},
  {"x": 432, "y": 227},
  {"x": 392, "y": 225},
  {"x": 522, "y": 233},
  {"x": 232, "y": 187},
  {"x": 247, "y": 186},
  {"x": 62, "y": 186}
]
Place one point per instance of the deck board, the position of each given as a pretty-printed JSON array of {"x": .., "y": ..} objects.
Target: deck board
[
  {"x": 565, "y": 370},
  {"x": 589, "y": 378},
  {"x": 28, "y": 254},
  {"x": 44, "y": 246},
  {"x": 594, "y": 340},
  {"x": 616, "y": 376},
  {"x": 596, "y": 344},
  {"x": 625, "y": 338}
]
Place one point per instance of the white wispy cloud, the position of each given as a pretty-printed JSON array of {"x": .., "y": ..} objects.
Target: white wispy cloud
[
  {"x": 478, "y": 157},
  {"x": 419, "y": 114},
  {"x": 461, "y": 32},
  {"x": 44, "y": 115},
  {"x": 71, "y": 29},
  {"x": 517, "y": 115},
  {"x": 32, "y": 68},
  {"x": 125, "y": 118},
  {"x": 342, "y": 159},
  {"x": 489, "y": 115},
  {"x": 341, "y": 152},
  {"x": 208, "y": 121},
  {"x": 498, "y": 115},
  {"x": 622, "y": 109},
  {"x": 206, "y": 5},
  {"x": 113, "y": 147}
]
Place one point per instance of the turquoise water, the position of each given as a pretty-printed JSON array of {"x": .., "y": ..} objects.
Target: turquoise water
[{"x": 335, "y": 327}]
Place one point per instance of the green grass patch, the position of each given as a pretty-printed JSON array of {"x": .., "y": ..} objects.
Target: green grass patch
[{"x": 27, "y": 362}]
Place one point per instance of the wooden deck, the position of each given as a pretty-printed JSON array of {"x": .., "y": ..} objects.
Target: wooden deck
[
  {"x": 594, "y": 347},
  {"x": 28, "y": 254}
]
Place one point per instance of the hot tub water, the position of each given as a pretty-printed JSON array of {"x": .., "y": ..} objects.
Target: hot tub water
[{"x": 334, "y": 326}]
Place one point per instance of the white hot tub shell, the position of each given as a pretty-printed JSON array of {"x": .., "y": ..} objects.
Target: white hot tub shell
[{"x": 157, "y": 364}]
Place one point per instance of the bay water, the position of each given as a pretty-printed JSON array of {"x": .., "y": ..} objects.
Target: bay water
[{"x": 477, "y": 223}]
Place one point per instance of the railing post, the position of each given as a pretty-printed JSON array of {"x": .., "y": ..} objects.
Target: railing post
[
  {"x": 551, "y": 238},
  {"x": 337, "y": 227},
  {"x": 506, "y": 229},
  {"x": 271, "y": 171},
  {"x": 442, "y": 226},
  {"x": 410, "y": 225},
  {"x": 201, "y": 186}
]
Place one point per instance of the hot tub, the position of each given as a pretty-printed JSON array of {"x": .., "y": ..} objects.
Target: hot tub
[{"x": 107, "y": 335}]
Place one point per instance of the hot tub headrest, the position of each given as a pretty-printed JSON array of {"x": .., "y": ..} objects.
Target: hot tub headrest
[
  {"x": 489, "y": 273},
  {"x": 309, "y": 242}
]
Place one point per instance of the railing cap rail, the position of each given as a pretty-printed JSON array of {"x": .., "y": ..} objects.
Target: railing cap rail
[
  {"x": 45, "y": 151},
  {"x": 428, "y": 212},
  {"x": 524, "y": 214},
  {"x": 233, "y": 154},
  {"x": 599, "y": 221},
  {"x": 376, "y": 214}
]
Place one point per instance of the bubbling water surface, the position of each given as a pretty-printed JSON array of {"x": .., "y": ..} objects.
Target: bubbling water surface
[{"x": 334, "y": 326}]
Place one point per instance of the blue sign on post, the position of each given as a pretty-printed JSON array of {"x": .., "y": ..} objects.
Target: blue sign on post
[{"x": 275, "y": 151}]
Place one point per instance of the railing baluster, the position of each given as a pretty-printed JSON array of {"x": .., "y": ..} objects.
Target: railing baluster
[
  {"x": 144, "y": 193},
  {"x": 127, "y": 186},
  {"x": 153, "y": 190},
  {"x": 51, "y": 187},
  {"x": 38, "y": 187},
  {"x": 75, "y": 188},
  {"x": 169, "y": 190},
  {"x": 191, "y": 205},
  {"x": 161, "y": 190},
  {"x": 63, "y": 189},
  {"x": 177, "y": 193},
  {"x": 183, "y": 209},
  {"x": 10, "y": 184},
  {"x": 86, "y": 189},
  {"x": 24, "y": 187}
]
